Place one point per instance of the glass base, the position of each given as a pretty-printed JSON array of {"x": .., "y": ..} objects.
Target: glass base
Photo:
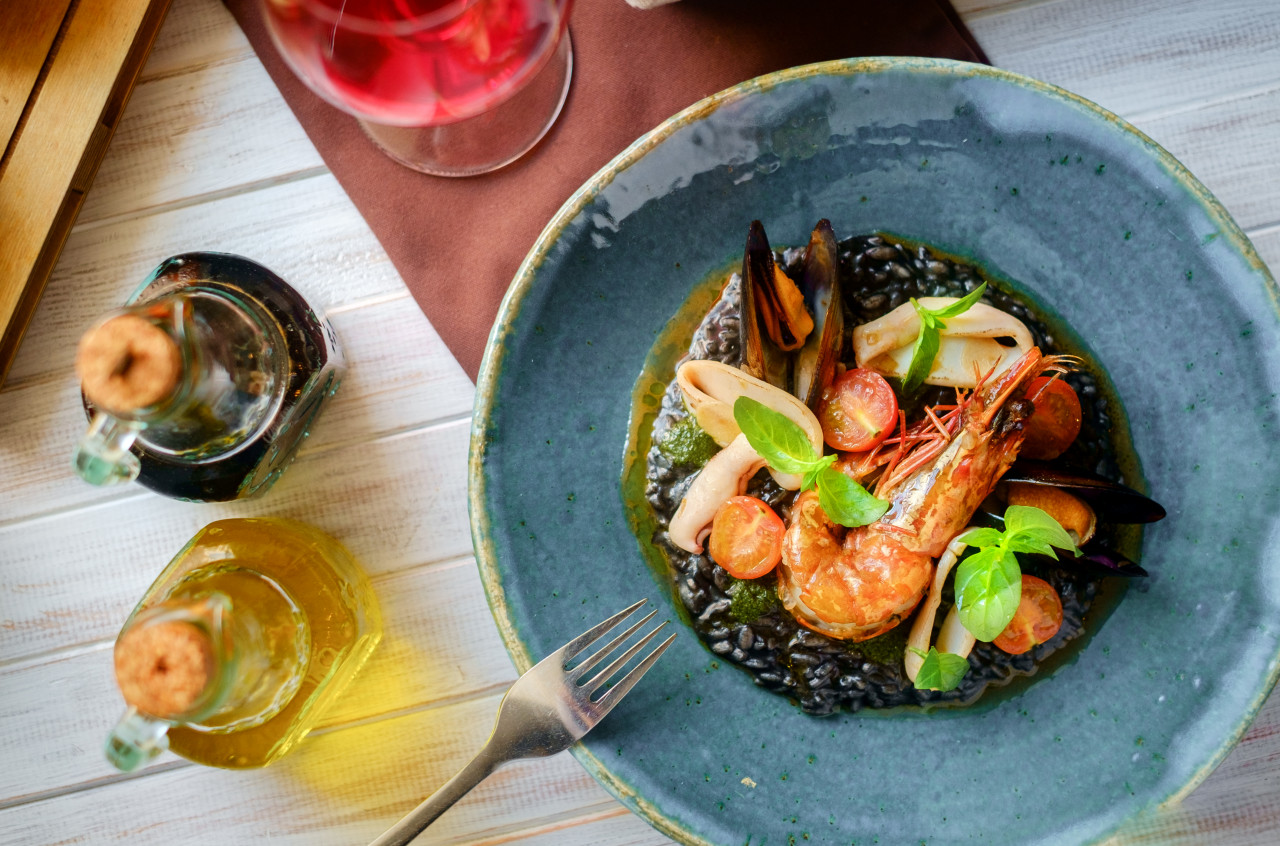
[{"x": 490, "y": 140}]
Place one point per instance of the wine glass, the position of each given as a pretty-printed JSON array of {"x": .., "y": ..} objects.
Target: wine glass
[{"x": 446, "y": 87}]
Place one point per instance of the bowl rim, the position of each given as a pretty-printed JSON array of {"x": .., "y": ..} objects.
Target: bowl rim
[{"x": 491, "y": 364}]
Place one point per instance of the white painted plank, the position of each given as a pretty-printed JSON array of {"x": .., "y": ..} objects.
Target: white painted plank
[
  {"x": 72, "y": 577},
  {"x": 342, "y": 787},
  {"x": 1136, "y": 57},
  {"x": 400, "y": 375},
  {"x": 439, "y": 644},
  {"x": 195, "y": 33},
  {"x": 1233, "y": 147},
  {"x": 308, "y": 232},
  {"x": 191, "y": 134}
]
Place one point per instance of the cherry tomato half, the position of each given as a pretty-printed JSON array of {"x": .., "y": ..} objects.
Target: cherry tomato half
[
  {"x": 858, "y": 410},
  {"x": 1038, "y": 618},
  {"x": 1056, "y": 421},
  {"x": 746, "y": 537}
]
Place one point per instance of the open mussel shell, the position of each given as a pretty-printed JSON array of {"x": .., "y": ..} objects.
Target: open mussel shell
[
  {"x": 820, "y": 283},
  {"x": 774, "y": 319},
  {"x": 1113, "y": 502},
  {"x": 1099, "y": 559}
]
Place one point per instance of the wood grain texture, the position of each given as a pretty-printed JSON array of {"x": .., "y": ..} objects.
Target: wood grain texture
[
  {"x": 450, "y": 654},
  {"x": 386, "y": 471},
  {"x": 306, "y": 231},
  {"x": 27, "y": 31},
  {"x": 189, "y": 135},
  {"x": 72, "y": 577},
  {"x": 1139, "y": 57}
]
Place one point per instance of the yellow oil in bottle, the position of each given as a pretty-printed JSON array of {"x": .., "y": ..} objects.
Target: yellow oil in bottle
[{"x": 300, "y": 620}]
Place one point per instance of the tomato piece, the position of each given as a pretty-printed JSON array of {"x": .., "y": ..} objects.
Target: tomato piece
[
  {"x": 858, "y": 410},
  {"x": 1038, "y": 618},
  {"x": 1055, "y": 423},
  {"x": 746, "y": 537}
]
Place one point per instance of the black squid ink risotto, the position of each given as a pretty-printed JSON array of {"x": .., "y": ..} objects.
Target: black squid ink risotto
[{"x": 794, "y": 626}]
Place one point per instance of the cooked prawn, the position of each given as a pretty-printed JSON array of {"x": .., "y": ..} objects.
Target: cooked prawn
[{"x": 855, "y": 584}]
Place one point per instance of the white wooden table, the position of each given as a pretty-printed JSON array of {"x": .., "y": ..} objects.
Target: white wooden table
[{"x": 209, "y": 157}]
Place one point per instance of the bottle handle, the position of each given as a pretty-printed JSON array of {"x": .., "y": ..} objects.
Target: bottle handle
[
  {"x": 102, "y": 456},
  {"x": 135, "y": 740}
]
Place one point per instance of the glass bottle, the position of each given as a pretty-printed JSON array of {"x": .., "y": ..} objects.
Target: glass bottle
[
  {"x": 205, "y": 384},
  {"x": 236, "y": 650}
]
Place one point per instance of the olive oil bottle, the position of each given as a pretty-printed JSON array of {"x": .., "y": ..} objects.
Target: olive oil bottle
[
  {"x": 205, "y": 384},
  {"x": 236, "y": 650}
]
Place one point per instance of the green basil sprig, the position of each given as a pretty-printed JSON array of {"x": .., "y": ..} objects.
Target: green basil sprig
[
  {"x": 940, "y": 670},
  {"x": 927, "y": 342},
  {"x": 989, "y": 582},
  {"x": 786, "y": 448}
]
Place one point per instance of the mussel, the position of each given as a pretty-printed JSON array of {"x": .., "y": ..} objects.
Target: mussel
[
  {"x": 820, "y": 284},
  {"x": 1113, "y": 502},
  {"x": 792, "y": 333},
  {"x": 1077, "y": 500}
]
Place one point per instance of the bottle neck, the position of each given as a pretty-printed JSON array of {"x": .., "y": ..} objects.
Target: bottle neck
[
  {"x": 192, "y": 374},
  {"x": 197, "y": 662}
]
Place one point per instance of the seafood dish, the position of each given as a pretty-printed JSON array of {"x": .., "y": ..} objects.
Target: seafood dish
[{"x": 882, "y": 479}]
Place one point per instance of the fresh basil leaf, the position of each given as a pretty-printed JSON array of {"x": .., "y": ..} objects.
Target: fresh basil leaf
[
  {"x": 922, "y": 356},
  {"x": 811, "y": 475},
  {"x": 940, "y": 670},
  {"x": 1029, "y": 543},
  {"x": 981, "y": 538},
  {"x": 961, "y": 305},
  {"x": 845, "y": 501},
  {"x": 1033, "y": 525},
  {"x": 988, "y": 589},
  {"x": 777, "y": 438}
]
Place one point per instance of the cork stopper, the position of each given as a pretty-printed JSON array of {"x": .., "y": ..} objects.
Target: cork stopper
[
  {"x": 128, "y": 363},
  {"x": 163, "y": 669}
]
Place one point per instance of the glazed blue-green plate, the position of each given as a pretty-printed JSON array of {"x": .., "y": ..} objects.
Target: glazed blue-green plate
[{"x": 1104, "y": 229}]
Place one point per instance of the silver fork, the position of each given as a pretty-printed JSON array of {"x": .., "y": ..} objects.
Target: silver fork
[{"x": 546, "y": 711}]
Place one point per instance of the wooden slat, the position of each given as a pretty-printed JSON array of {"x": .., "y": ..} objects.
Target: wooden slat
[
  {"x": 388, "y": 388},
  {"x": 193, "y": 134},
  {"x": 72, "y": 578},
  {"x": 26, "y": 31},
  {"x": 1139, "y": 57},
  {"x": 1233, "y": 147},
  {"x": 307, "y": 231},
  {"x": 439, "y": 645},
  {"x": 196, "y": 33},
  {"x": 343, "y": 787},
  {"x": 62, "y": 139}
]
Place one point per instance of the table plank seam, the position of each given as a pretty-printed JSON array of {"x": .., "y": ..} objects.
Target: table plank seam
[
  {"x": 543, "y": 825},
  {"x": 1190, "y": 106},
  {"x": 21, "y": 663},
  {"x": 200, "y": 199},
  {"x": 305, "y": 453},
  {"x": 368, "y": 302}
]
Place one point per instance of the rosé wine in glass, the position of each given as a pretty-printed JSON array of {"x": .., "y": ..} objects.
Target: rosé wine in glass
[{"x": 432, "y": 64}]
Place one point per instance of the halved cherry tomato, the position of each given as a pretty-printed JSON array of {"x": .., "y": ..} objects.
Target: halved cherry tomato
[
  {"x": 858, "y": 410},
  {"x": 1055, "y": 423},
  {"x": 746, "y": 537},
  {"x": 1038, "y": 618}
]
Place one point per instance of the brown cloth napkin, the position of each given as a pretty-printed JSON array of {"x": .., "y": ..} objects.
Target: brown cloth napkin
[{"x": 458, "y": 242}]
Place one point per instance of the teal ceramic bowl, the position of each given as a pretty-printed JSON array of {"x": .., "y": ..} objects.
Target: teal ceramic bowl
[{"x": 1101, "y": 227}]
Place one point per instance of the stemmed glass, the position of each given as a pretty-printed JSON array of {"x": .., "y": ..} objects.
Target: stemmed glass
[{"x": 446, "y": 87}]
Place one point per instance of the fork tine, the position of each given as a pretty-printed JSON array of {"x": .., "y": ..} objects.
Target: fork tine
[
  {"x": 575, "y": 646},
  {"x": 604, "y": 651},
  {"x": 614, "y": 694}
]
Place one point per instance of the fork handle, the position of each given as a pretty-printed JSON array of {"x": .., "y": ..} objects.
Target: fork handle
[{"x": 442, "y": 800}]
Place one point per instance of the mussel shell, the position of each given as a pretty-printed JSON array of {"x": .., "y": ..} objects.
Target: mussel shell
[
  {"x": 820, "y": 284},
  {"x": 1098, "y": 559},
  {"x": 1113, "y": 502},
  {"x": 761, "y": 357}
]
